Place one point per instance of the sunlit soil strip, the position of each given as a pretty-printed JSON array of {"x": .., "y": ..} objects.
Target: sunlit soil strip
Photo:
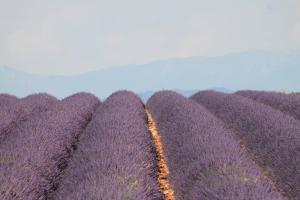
[{"x": 163, "y": 170}]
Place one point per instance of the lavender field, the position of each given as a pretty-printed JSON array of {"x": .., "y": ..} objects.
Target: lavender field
[{"x": 210, "y": 146}]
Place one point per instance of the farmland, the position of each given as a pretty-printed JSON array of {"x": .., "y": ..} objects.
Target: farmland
[{"x": 210, "y": 146}]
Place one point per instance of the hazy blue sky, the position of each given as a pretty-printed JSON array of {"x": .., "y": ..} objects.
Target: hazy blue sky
[{"x": 69, "y": 36}]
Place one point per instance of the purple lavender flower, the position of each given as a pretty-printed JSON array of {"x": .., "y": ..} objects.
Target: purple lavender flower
[
  {"x": 287, "y": 103},
  {"x": 34, "y": 155},
  {"x": 205, "y": 159},
  {"x": 115, "y": 158},
  {"x": 272, "y": 136}
]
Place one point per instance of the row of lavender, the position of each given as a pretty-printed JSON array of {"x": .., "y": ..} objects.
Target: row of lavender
[
  {"x": 206, "y": 160},
  {"x": 270, "y": 135},
  {"x": 287, "y": 103},
  {"x": 76, "y": 148},
  {"x": 115, "y": 158},
  {"x": 50, "y": 149},
  {"x": 14, "y": 111},
  {"x": 37, "y": 149}
]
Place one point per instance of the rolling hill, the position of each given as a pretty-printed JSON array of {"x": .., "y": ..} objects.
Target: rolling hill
[{"x": 260, "y": 70}]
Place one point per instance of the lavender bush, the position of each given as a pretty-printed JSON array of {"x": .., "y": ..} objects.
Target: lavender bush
[
  {"x": 205, "y": 159},
  {"x": 7, "y": 99},
  {"x": 286, "y": 103},
  {"x": 17, "y": 111},
  {"x": 270, "y": 135},
  {"x": 115, "y": 158},
  {"x": 35, "y": 153}
]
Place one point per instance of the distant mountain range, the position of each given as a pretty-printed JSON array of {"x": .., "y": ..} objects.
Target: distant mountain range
[{"x": 260, "y": 70}]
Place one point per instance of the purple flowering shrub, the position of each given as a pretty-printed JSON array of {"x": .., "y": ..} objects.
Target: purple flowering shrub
[
  {"x": 36, "y": 152},
  {"x": 205, "y": 159},
  {"x": 7, "y": 99},
  {"x": 271, "y": 136},
  {"x": 287, "y": 103},
  {"x": 18, "y": 110},
  {"x": 115, "y": 158}
]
